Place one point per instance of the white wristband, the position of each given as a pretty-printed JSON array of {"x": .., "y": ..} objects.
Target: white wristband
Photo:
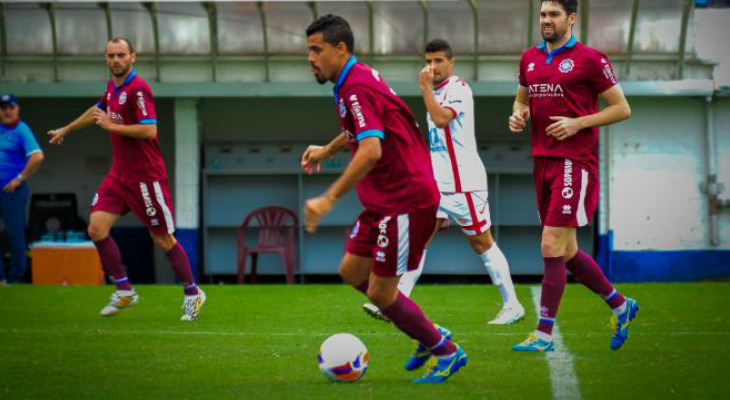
[{"x": 19, "y": 177}]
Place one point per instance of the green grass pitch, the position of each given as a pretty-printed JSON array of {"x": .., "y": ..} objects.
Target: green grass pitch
[{"x": 261, "y": 342}]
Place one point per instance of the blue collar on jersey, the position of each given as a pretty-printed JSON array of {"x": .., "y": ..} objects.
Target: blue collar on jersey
[
  {"x": 126, "y": 81},
  {"x": 551, "y": 54},
  {"x": 343, "y": 75}
]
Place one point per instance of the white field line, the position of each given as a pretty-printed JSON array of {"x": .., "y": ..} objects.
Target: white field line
[{"x": 563, "y": 380}]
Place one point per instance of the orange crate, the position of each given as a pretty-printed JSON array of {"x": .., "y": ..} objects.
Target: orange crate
[{"x": 61, "y": 264}]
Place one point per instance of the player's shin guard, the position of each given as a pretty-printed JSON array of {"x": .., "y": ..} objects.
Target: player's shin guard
[
  {"x": 410, "y": 319},
  {"x": 180, "y": 263},
  {"x": 111, "y": 261},
  {"x": 553, "y": 286},
  {"x": 589, "y": 273}
]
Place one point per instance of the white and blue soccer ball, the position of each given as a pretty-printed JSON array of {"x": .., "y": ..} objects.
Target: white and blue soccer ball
[{"x": 343, "y": 358}]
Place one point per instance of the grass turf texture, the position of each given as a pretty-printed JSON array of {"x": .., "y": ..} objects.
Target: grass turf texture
[{"x": 261, "y": 342}]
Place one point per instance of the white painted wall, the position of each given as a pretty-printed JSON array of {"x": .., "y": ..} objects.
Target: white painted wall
[
  {"x": 722, "y": 140},
  {"x": 657, "y": 169},
  {"x": 187, "y": 164},
  {"x": 711, "y": 33}
]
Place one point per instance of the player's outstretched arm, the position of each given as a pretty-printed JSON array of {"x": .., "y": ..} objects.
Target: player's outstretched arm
[
  {"x": 617, "y": 109},
  {"x": 84, "y": 120},
  {"x": 368, "y": 153},
  {"x": 520, "y": 111},
  {"x": 441, "y": 116},
  {"x": 314, "y": 155}
]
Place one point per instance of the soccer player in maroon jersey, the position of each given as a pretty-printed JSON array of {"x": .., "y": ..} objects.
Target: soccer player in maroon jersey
[
  {"x": 561, "y": 81},
  {"x": 391, "y": 169},
  {"x": 137, "y": 181}
]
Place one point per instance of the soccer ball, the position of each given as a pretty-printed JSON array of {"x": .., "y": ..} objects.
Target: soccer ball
[{"x": 343, "y": 358}]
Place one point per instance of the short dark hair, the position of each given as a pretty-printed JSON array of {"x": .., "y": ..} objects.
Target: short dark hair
[
  {"x": 334, "y": 30},
  {"x": 120, "y": 39},
  {"x": 440, "y": 45},
  {"x": 570, "y": 6}
]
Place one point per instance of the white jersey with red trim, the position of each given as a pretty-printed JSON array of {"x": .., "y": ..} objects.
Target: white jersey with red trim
[{"x": 456, "y": 163}]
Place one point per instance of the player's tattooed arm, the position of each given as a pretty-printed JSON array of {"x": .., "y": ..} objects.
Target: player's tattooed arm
[
  {"x": 520, "y": 111},
  {"x": 314, "y": 155},
  {"x": 84, "y": 120},
  {"x": 441, "y": 116},
  {"x": 368, "y": 153},
  {"x": 617, "y": 109}
]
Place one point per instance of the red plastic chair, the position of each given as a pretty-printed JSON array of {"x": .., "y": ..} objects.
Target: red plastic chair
[{"x": 277, "y": 226}]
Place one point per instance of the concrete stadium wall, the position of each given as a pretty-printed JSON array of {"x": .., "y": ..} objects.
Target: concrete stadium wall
[{"x": 658, "y": 212}]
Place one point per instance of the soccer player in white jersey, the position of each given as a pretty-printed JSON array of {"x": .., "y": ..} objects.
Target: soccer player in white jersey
[{"x": 460, "y": 174}]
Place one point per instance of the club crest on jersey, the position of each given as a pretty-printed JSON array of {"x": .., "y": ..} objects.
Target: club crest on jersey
[
  {"x": 566, "y": 65},
  {"x": 122, "y": 98},
  {"x": 343, "y": 109},
  {"x": 530, "y": 67}
]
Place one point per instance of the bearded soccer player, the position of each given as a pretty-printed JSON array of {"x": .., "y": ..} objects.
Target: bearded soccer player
[
  {"x": 460, "y": 174},
  {"x": 137, "y": 181},
  {"x": 391, "y": 169},
  {"x": 561, "y": 81}
]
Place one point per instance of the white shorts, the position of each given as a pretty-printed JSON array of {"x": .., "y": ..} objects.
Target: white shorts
[{"x": 469, "y": 210}]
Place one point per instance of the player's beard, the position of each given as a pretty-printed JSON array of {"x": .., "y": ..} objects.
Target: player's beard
[
  {"x": 124, "y": 71},
  {"x": 320, "y": 79},
  {"x": 555, "y": 36}
]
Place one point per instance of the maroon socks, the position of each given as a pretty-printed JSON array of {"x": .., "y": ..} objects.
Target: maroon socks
[
  {"x": 589, "y": 273},
  {"x": 111, "y": 262},
  {"x": 409, "y": 318},
  {"x": 553, "y": 286},
  {"x": 180, "y": 263}
]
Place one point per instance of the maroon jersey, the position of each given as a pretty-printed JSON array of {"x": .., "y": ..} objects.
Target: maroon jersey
[
  {"x": 132, "y": 103},
  {"x": 565, "y": 83},
  {"x": 402, "y": 180}
]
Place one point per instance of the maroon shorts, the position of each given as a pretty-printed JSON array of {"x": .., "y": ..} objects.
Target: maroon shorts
[
  {"x": 394, "y": 242},
  {"x": 151, "y": 202},
  {"x": 567, "y": 192}
]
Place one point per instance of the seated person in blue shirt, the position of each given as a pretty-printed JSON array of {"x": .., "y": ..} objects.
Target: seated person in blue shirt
[{"x": 20, "y": 157}]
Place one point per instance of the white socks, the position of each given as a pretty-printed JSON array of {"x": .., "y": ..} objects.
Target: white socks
[
  {"x": 408, "y": 280},
  {"x": 498, "y": 268}
]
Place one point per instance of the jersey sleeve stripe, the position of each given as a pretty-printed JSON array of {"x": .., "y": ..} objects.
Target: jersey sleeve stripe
[
  {"x": 370, "y": 133},
  {"x": 30, "y": 153},
  {"x": 148, "y": 121}
]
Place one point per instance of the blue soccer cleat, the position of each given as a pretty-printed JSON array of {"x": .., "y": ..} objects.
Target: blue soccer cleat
[
  {"x": 534, "y": 344},
  {"x": 423, "y": 353},
  {"x": 441, "y": 369},
  {"x": 620, "y": 323}
]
